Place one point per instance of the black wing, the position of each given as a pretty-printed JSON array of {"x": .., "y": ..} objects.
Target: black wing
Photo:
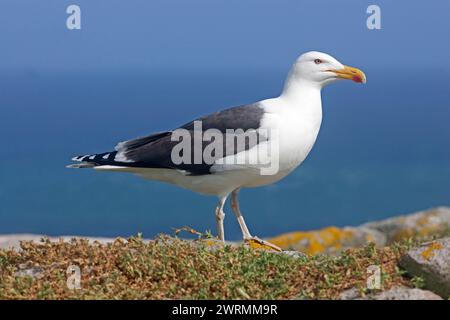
[{"x": 155, "y": 150}]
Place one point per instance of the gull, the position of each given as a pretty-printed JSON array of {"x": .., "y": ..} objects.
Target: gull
[{"x": 274, "y": 137}]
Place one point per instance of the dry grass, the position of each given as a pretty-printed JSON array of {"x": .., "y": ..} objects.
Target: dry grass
[{"x": 170, "y": 268}]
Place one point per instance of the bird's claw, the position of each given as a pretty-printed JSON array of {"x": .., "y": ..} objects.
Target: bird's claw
[{"x": 257, "y": 243}]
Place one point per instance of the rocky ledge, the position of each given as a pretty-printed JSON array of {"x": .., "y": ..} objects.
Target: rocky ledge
[
  {"x": 433, "y": 222},
  {"x": 431, "y": 262},
  {"x": 428, "y": 264},
  {"x": 427, "y": 261}
]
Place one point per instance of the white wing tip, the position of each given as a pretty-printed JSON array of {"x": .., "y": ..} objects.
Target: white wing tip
[{"x": 81, "y": 165}]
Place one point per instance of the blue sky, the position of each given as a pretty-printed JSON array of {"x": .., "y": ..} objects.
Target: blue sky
[
  {"x": 219, "y": 34},
  {"x": 139, "y": 66}
]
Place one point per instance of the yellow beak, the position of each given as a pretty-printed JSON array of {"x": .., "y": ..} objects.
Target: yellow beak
[{"x": 350, "y": 73}]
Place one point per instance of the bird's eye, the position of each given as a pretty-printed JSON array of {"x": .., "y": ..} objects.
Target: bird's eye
[{"x": 317, "y": 61}]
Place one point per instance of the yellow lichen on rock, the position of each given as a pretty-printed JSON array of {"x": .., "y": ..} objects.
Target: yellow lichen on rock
[
  {"x": 425, "y": 225},
  {"x": 313, "y": 242},
  {"x": 429, "y": 252},
  {"x": 419, "y": 225}
]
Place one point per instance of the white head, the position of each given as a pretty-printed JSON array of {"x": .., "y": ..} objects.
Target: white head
[{"x": 320, "y": 69}]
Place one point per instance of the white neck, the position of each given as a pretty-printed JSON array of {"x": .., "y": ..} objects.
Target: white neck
[{"x": 302, "y": 93}]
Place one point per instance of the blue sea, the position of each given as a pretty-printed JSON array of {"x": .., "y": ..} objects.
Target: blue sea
[{"x": 383, "y": 150}]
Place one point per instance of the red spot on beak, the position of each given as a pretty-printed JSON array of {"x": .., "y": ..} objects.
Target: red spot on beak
[{"x": 357, "y": 79}]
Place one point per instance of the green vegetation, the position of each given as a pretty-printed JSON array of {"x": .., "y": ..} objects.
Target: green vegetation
[{"x": 170, "y": 268}]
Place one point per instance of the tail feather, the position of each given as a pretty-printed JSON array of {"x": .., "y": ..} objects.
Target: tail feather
[
  {"x": 93, "y": 160},
  {"x": 120, "y": 158}
]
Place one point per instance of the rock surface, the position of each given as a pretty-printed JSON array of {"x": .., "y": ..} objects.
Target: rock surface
[
  {"x": 331, "y": 240},
  {"x": 404, "y": 293},
  {"x": 396, "y": 293},
  {"x": 431, "y": 261},
  {"x": 33, "y": 272},
  {"x": 421, "y": 224},
  {"x": 13, "y": 240}
]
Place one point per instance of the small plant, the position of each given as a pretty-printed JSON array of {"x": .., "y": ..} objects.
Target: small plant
[{"x": 418, "y": 282}]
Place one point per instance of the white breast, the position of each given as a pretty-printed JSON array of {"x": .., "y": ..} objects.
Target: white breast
[{"x": 298, "y": 124}]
